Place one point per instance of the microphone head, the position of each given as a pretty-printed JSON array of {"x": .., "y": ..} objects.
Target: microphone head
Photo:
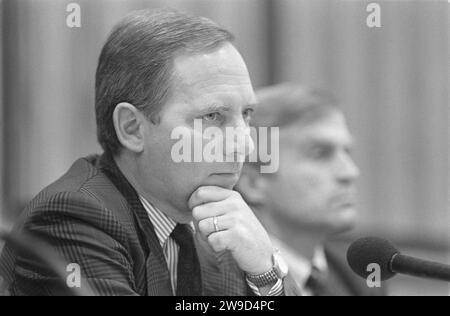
[{"x": 369, "y": 250}]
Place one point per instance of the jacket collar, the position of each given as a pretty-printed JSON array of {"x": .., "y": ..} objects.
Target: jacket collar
[{"x": 158, "y": 279}]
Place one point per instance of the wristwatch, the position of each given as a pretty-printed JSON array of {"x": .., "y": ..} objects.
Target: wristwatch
[{"x": 278, "y": 272}]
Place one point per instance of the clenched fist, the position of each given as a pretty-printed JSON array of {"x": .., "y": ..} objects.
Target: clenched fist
[{"x": 239, "y": 231}]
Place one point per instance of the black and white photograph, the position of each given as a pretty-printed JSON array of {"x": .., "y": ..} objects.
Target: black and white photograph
[{"x": 240, "y": 149}]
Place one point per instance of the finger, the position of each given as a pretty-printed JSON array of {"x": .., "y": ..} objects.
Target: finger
[
  {"x": 208, "y": 210},
  {"x": 197, "y": 228},
  {"x": 208, "y": 194},
  {"x": 207, "y": 227},
  {"x": 220, "y": 241}
]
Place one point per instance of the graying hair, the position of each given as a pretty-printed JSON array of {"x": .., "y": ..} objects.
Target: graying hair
[{"x": 135, "y": 64}]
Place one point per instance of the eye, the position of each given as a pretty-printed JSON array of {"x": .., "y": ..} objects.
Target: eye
[
  {"x": 211, "y": 116},
  {"x": 248, "y": 114},
  {"x": 322, "y": 152},
  {"x": 349, "y": 151}
]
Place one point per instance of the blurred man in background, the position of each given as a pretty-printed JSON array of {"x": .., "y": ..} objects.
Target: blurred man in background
[{"x": 312, "y": 196}]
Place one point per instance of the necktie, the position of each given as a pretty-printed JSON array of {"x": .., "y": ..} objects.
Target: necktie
[
  {"x": 317, "y": 283},
  {"x": 189, "y": 282}
]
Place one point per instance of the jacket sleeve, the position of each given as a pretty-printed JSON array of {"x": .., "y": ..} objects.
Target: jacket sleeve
[{"x": 81, "y": 249}]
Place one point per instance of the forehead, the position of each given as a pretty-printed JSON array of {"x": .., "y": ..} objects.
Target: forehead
[
  {"x": 331, "y": 129},
  {"x": 221, "y": 73}
]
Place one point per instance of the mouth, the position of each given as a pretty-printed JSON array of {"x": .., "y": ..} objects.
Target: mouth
[
  {"x": 223, "y": 179},
  {"x": 226, "y": 174},
  {"x": 349, "y": 204},
  {"x": 345, "y": 200},
  {"x": 234, "y": 169}
]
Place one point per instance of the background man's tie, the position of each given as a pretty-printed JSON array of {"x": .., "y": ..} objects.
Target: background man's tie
[{"x": 317, "y": 283}]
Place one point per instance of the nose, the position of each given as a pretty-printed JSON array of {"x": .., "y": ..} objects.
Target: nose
[
  {"x": 347, "y": 170},
  {"x": 238, "y": 141}
]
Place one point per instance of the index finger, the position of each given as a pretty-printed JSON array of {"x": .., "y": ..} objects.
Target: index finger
[{"x": 208, "y": 194}]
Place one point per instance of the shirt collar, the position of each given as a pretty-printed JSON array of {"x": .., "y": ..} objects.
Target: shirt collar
[
  {"x": 299, "y": 266},
  {"x": 162, "y": 223},
  {"x": 319, "y": 260}
]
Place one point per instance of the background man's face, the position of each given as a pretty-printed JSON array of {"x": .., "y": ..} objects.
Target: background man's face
[
  {"x": 215, "y": 88},
  {"x": 315, "y": 185}
]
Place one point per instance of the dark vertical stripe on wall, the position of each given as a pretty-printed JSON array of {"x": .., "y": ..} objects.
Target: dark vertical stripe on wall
[
  {"x": 17, "y": 104},
  {"x": 272, "y": 43},
  {"x": 9, "y": 11},
  {"x": 2, "y": 116}
]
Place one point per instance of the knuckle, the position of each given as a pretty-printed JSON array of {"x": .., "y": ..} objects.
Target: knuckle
[
  {"x": 196, "y": 211},
  {"x": 200, "y": 193},
  {"x": 233, "y": 220},
  {"x": 212, "y": 240},
  {"x": 233, "y": 203},
  {"x": 239, "y": 230},
  {"x": 236, "y": 195},
  {"x": 215, "y": 241},
  {"x": 202, "y": 226}
]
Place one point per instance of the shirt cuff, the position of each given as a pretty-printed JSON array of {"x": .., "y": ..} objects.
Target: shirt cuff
[{"x": 276, "y": 290}]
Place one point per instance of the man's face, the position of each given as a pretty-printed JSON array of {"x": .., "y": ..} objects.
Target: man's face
[
  {"x": 315, "y": 185},
  {"x": 215, "y": 88}
]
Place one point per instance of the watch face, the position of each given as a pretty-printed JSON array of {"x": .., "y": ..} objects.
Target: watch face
[{"x": 281, "y": 265}]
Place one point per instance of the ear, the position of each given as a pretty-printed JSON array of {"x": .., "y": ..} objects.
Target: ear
[
  {"x": 253, "y": 185},
  {"x": 128, "y": 123}
]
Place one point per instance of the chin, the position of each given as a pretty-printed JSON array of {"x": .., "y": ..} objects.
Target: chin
[
  {"x": 226, "y": 181},
  {"x": 343, "y": 221}
]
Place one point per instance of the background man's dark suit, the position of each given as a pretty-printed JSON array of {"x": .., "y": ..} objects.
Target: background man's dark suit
[
  {"x": 342, "y": 281},
  {"x": 93, "y": 217},
  {"x": 336, "y": 280}
]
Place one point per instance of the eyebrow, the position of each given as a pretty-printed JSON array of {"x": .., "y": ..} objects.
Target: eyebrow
[
  {"x": 215, "y": 108},
  {"x": 326, "y": 142},
  {"x": 210, "y": 108},
  {"x": 224, "y": 108}
]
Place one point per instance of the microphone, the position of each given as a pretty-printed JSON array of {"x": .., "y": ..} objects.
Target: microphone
[{"x": 373, "y": 250}]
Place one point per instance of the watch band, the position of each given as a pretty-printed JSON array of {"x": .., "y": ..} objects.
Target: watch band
[
  {"x": 264, "y": 279},
  {"x": 278, "y": 272}
]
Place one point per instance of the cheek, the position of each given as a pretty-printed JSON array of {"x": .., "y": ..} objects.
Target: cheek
[
  {"x": 310, "y": 182},
  {"x": 159, "y": 148},
  {"x": 307, "y": 185}
]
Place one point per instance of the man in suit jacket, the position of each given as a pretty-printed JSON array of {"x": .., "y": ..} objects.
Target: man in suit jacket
[
  {"x": 311, "y": 197},
  {"x": 136, "y": 220}
]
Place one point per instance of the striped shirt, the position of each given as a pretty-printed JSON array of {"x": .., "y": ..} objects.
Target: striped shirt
[{"x": 164, "y": 227}]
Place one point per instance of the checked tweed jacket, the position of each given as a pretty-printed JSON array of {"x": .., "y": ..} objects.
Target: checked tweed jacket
[{"x": 92, "y": 217}]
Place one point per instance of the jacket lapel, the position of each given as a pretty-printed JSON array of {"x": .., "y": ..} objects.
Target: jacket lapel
[
  {"x": 158, "y": 279},
  {"x": 220, "y": 274}
]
